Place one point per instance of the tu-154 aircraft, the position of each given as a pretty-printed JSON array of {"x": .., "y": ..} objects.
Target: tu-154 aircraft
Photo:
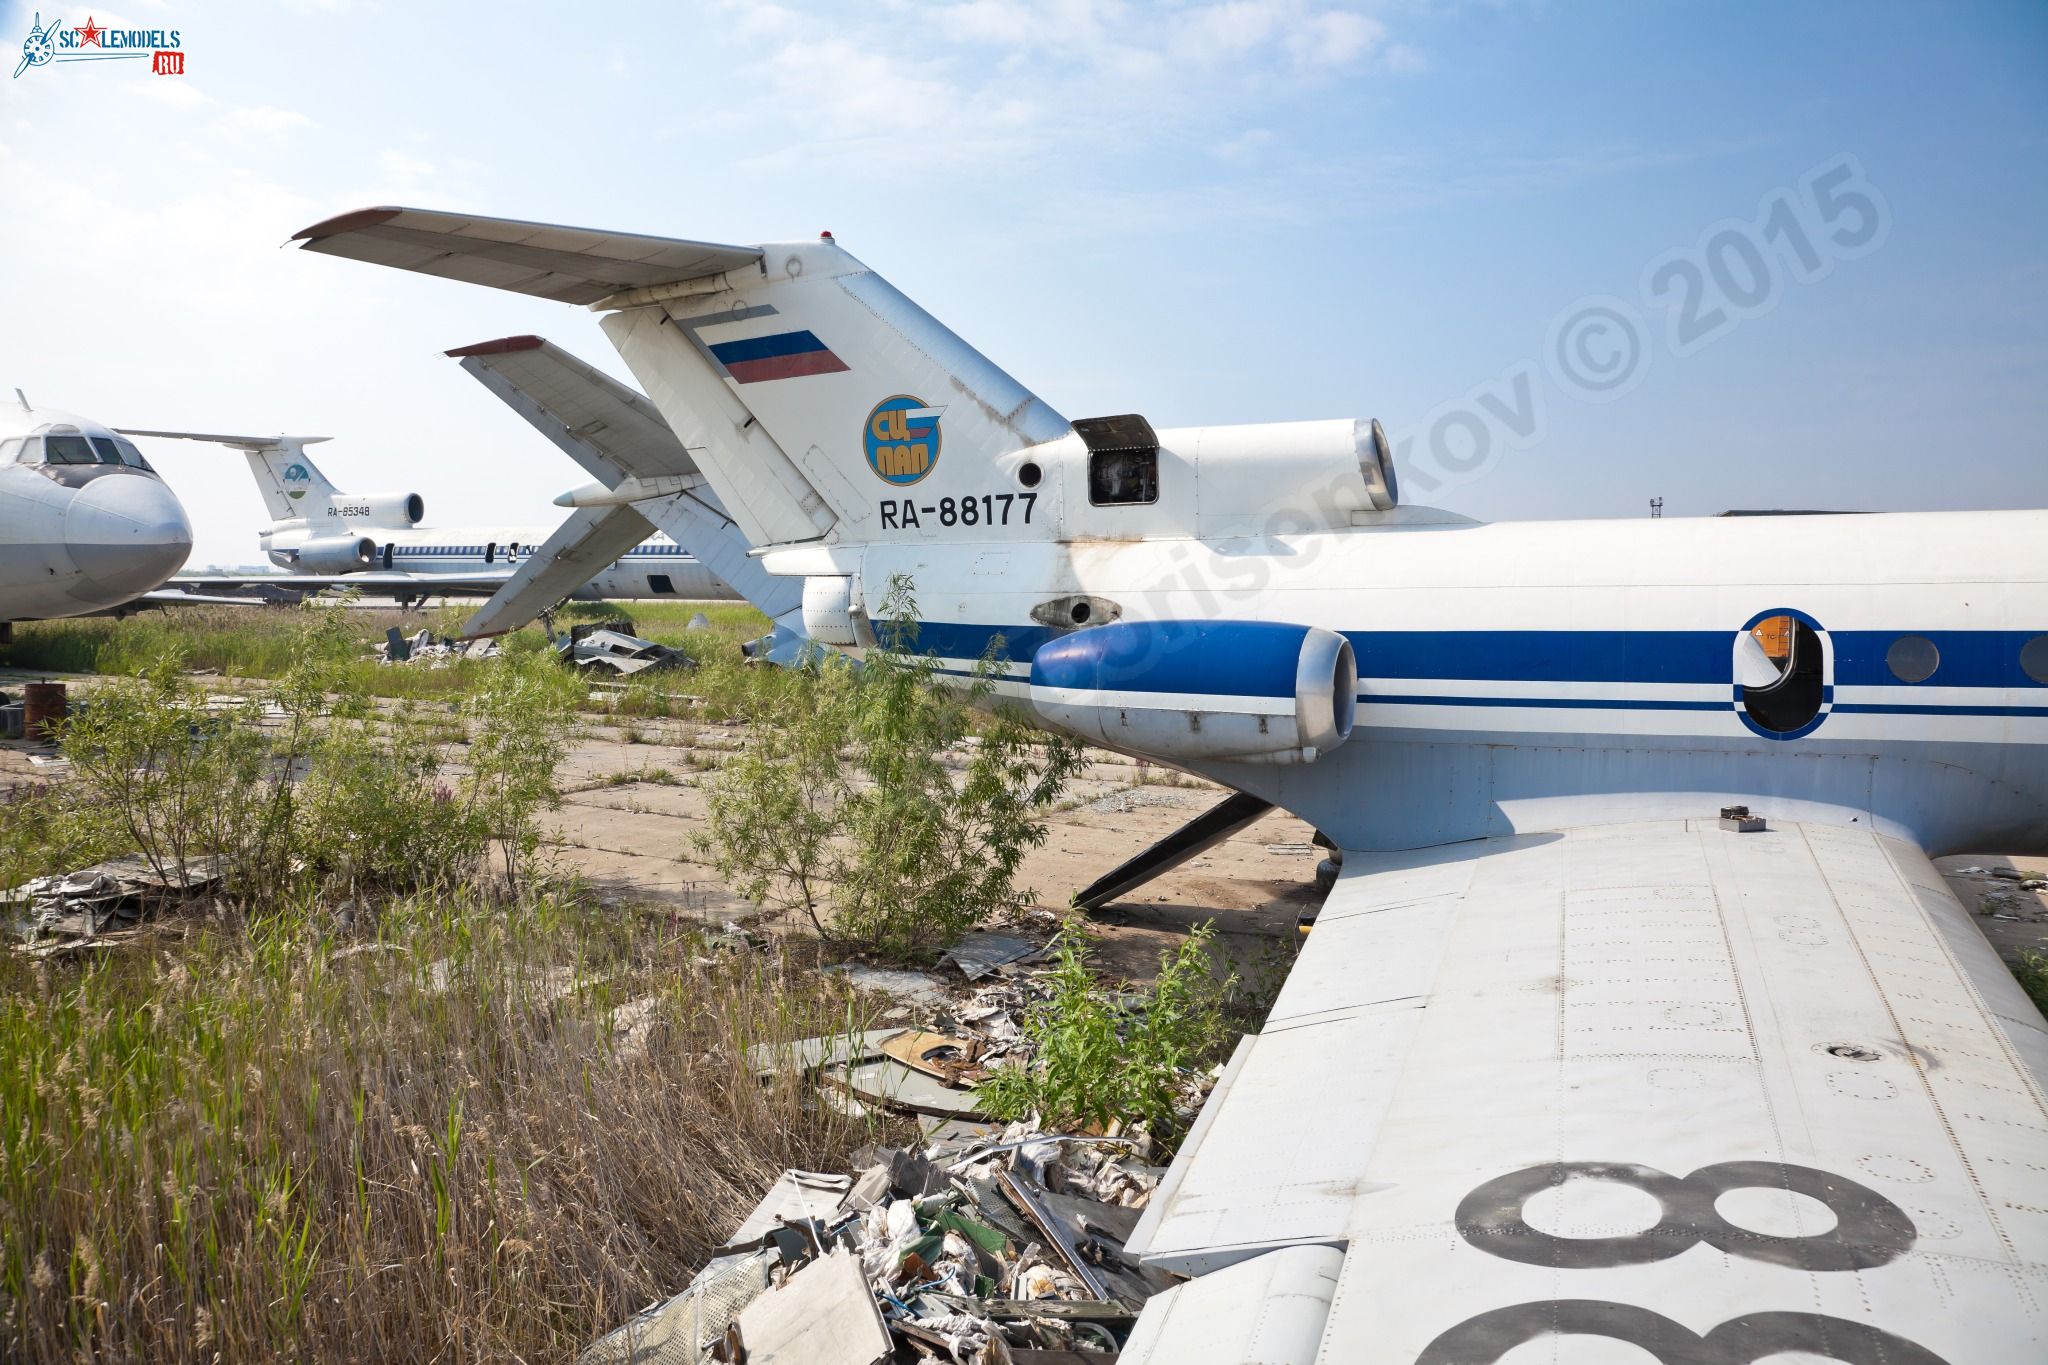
[
  {"x": 1570, "y": 1063},
  {"x": 321, "y": 538},
  {"x": 85, "y": 523}
]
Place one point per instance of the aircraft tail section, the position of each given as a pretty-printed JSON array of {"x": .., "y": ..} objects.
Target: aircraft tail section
[
  {"x": 818, "y": 400},
  {"x": 812, "y": 392},
  {"x": 286, "y": 476}
]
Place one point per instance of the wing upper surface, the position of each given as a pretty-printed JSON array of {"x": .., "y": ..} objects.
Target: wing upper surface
[
  {"x": 1715, "y": 1095},
  {"x": 571, "y": 265}
]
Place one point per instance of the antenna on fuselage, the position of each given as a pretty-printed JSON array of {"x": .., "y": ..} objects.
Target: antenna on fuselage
[{"x": 24, "y": 401}]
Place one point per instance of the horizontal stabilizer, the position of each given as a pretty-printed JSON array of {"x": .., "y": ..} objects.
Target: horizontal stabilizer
[
  {"x": 238, "y": 442},
  {"x": 614, "y": 432},
  {"x": 571, "y": 265},
  {"x": 577, "y": 552}
]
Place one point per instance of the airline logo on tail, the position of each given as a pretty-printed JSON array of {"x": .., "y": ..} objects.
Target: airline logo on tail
[
  {"x": 902, "y": 439},
  {"x": 296, "y": 473}
]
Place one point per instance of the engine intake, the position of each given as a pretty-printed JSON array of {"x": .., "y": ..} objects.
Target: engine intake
[
  {"x": 337, "y": 554},
  {"x": 1250, "y": 691}
]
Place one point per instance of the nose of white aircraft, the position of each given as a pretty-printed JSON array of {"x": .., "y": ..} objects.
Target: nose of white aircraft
[{"x": 126, "y": 533}]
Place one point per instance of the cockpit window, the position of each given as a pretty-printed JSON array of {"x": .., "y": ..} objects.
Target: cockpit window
[
  {"x": 9, "y": 449},
  {"x": 67, "y": 450},
  {"x": 132, "y": 457},
  {"x": 103, "y": 447}
]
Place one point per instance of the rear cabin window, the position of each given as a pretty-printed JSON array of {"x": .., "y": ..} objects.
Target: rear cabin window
[{"x": 1123, "y": 477}]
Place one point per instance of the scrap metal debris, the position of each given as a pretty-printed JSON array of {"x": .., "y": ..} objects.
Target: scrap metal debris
[
  {"x": 981, "y": 1244},
  {"x": 617, "y": 651},
  {"x": 424, "y": 647},
  {"x": 111, "y": 895}
]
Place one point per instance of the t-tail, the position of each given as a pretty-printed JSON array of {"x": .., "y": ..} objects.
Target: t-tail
[
  {"x": 291, "y": 484},
  {"x": 817, "y": 399}
]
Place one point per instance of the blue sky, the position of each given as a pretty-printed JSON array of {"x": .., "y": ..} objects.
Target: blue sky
[{"x": 1226, "y": 212}]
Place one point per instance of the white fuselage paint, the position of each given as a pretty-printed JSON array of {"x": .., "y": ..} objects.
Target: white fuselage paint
[
  {"x": 1539, "y": 675},
  {"x": 656, "y": 568},
  {"x": 79, "y": 538}
]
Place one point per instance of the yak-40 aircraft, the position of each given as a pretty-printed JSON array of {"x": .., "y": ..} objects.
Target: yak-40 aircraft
[
  {"x": 321, "y": 538},
  {"x": 1567, "y": 1055}
]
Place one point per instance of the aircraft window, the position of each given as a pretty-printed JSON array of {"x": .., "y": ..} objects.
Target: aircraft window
[
  {"x": 1790, "y": 700},
  {"x": 2034, "y": 659},
  {"x": 1029, "y": 474},
  {"x": 104, "y": 448},
  {"x": 131, "y": 456},
  {"x": 660, "y": 582},
  {"x": 1119, "y": 477},
  {"x": 9, "y": 450},
  {"x": 67, "y": 450},
  {"x": 31, "y": 450},
  {"x": 1912, "y": 658},
  {"x": 491, "y": 552}
]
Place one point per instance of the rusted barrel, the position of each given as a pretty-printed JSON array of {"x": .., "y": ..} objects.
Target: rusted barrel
[{"x": 42, "y": 706}]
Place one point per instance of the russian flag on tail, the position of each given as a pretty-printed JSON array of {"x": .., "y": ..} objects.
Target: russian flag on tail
[{"x": 785, "y": 355}]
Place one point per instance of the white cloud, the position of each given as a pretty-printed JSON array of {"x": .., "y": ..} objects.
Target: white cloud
[
  {"x": 1334, "y": 38},
  {"x": 1246, "y": 145},
  {"x": 263, "y": 118}
]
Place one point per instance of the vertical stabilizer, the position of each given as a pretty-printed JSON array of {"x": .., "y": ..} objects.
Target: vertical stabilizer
[
  {"x": 812, "y": 390},
  {"x": 286, "y": 477}
]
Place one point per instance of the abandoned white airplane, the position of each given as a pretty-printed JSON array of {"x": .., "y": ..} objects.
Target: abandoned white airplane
[
  {"x": 1568, "y": 1054},
  {"x": 85, "y": 523},
  {"x": 321, "y": 538}
]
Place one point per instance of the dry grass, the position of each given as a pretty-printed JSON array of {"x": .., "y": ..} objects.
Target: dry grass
[{"x": 478, "y": 1133}]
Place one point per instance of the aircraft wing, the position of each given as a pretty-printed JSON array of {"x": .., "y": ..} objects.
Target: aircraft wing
[
  {"x": 577, "y": 552},
  {"x": 371, "y": 584},
  {"x": 572, "y": 265},
  {"x": 1716, "y": 1095}
]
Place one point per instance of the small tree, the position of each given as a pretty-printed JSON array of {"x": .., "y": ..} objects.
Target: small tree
[
  {"x": 1097, "y": 1058},
  {"x": 845, "y": 798},
  {"x": 520, "y": 723}
]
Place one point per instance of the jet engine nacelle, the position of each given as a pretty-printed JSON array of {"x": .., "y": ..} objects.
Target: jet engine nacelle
[
  {"x": 382, "y": 509},
  {"x": 1252, "y": 691},
  {"x": 337, "y": 554}
]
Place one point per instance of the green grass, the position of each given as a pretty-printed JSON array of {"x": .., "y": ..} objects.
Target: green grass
[
  {"x": 254, "y": 642},
  {"x": 2032, "y": 971},
  {"x": 445, "y": 1144}
]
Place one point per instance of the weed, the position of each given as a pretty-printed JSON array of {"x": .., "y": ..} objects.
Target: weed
[
  {"x": 1099, "y": 1059},
  {"x": 2032, "y": 970},
  {"x": 440, "y": 1146}
]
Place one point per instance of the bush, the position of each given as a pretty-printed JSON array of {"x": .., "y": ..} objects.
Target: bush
[
  {"x": 1098, "y": 1059},
  {"x": 844, "y": 803},
  {"x": 305, "y": 786}
]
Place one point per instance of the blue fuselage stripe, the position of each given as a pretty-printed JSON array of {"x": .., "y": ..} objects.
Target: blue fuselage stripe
[{"x": 1968, "y": 658}]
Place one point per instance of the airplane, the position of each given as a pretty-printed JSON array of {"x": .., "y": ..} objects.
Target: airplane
[
  {"x": 322, "y": 538},
  {"x": 85, "y": 522},
  {"x": 1638, "y": 1015}
]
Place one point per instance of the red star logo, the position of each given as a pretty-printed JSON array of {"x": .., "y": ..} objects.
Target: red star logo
[{"x": 89, "y": 36}]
